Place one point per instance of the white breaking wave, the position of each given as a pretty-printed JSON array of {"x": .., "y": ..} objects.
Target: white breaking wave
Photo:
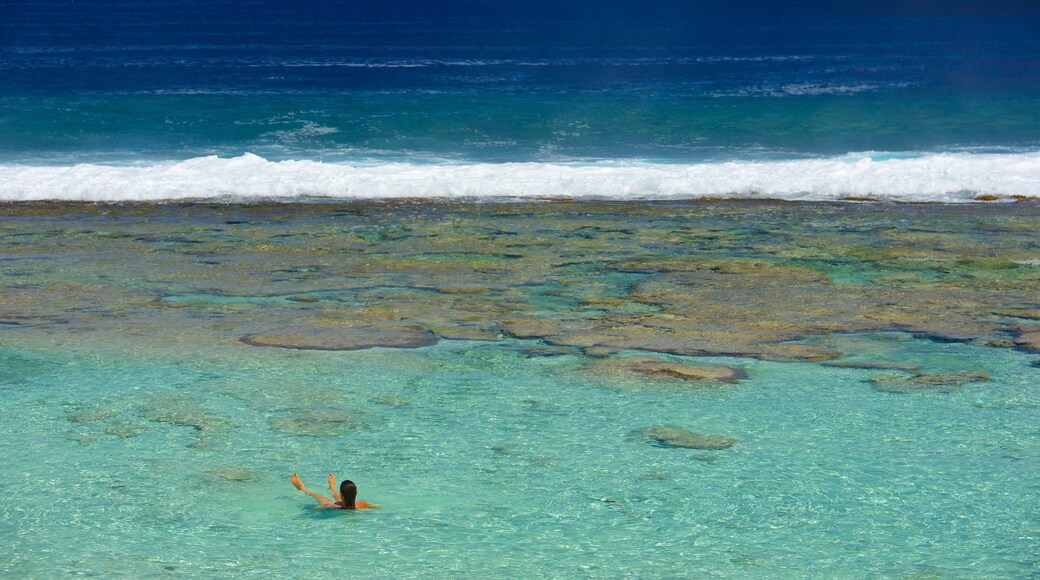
[{"x": 942, "y": 177}]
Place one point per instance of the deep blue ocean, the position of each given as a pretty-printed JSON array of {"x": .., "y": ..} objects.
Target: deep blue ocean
[{"x": 681, "y": 82}]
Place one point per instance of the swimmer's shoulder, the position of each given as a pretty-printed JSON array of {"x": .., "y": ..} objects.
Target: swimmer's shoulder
[{"x": 357, "y": 505}]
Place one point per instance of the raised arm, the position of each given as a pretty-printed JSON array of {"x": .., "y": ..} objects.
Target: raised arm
[{"x": 323, "y": 501}]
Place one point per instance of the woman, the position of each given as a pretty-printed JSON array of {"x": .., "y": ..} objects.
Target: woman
[{"x": 344, "y": 496}]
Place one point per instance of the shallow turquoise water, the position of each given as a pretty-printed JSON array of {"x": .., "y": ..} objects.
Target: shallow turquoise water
[{"x": 488, "y": 460}]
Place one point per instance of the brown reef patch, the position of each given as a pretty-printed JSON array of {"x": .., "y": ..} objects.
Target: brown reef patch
[
  {"x": 874, "y": 365},
  {"x": 345, "y": 338},
  {"x": 937, "y": 382},
  {"x": 660, "y": 369},
  {"x": 710, "y": 277},
  {"x": 672, "y": 436}
]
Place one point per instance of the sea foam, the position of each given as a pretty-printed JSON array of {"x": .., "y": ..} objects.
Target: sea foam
[{"x": 941, "y": 177}]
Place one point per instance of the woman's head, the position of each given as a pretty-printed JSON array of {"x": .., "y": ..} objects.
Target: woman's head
[{"x": 348, "y": 490}]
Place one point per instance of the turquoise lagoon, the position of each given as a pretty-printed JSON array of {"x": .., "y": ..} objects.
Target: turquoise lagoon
[{"x": 141, "y": 437}]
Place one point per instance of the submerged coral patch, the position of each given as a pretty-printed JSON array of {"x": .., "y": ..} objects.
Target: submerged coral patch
[
  {"x": 667, "y": 370},
  {"x": 672, "y": 436},
  {"x": 676, "y": 278},
  {"x": 124, "y": 430},
  {"x": 229, "y": 473},
  {"x": 1027, "y": 338},
  {"x": 721, "y": 374},
  {"x": 184, "y": 411},
  {"x": 874, "y": 365},
  {"x": 91, "y": 415},
  {"x": 317, "y": 422},
  {"x": 345, "y": 338},
  {"x": 937, "y": 382}
]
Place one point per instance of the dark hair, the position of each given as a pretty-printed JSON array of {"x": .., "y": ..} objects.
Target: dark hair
[{"x": 348, "y": 490}]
